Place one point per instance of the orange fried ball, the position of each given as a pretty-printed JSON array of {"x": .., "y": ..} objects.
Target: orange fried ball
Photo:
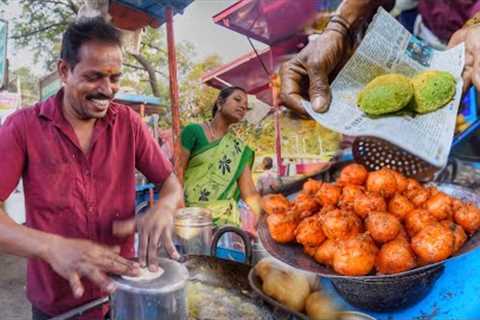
[
  {"x": 305, "y": 205},
  {"x": 355, "y": 256},
  {"x": 468, "y": 216},
  {"x": 329, "y": 194},
  {"x": 369, "y": 202},
  {"x": 309, "y": 232},
  {"x": 401, "y": 180},
  {"x": 395, "y": 256},
  {"x": 434, "y": 243},
  {"x": 282, "y": 227},
  {"x": 349, "y": 193},
  {"x": 440, "y": 206},
  {"x": 458, "y": 233},
  {"x": 354, "y": 173},
  {"x": 275, "y": 204},
  {"x": 311, "y": 187},
  {"x": 417, "y": 220},
  {"x": 382, "y": 182},
  {"x": 402, "y": 234},
  {"x": 339, "y": 224},
  {"x": 417, "y": 194},
  {"x": 400, "y": 206},
  {"x": 310, "y": 250},
  {"x": 326, "y": 251},
  {"x": 382, "y": 226}
]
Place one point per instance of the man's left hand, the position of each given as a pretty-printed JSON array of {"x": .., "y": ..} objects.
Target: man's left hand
[{"x": 155, "y": 229}]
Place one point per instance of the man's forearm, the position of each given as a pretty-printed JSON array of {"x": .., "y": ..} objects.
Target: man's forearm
[
  {"x": 16, "y": 239},
  {"x": 358, "y": 12},
  {"x": 171, "y": 192}
]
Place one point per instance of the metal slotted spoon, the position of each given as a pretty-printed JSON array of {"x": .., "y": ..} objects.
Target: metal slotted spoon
[{"x": 375, "y": 153}]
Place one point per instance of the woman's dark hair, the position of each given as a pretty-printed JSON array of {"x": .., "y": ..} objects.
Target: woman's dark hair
[
  {"x": 87, "y": 29},
  {"x": 223, "y": 96},
  {"x": 267, "y": 163}
]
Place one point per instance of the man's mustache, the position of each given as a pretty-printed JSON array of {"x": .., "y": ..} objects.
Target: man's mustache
[{"x": 99, "y": 96}]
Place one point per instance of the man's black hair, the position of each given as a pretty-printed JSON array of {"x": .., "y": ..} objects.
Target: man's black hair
[{"x": 87, "y": 29}]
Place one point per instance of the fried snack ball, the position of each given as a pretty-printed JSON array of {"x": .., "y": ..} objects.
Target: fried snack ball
[
  {"x": 282, "y": 227},
  {"x": 439, "y": 205},
  {"x": 339, "y": 224},
  {"x": 395, "y": 256},
  {"x": 310, "y": 250},
  {"x": 401, "y": 180},
  {"x": 311, "y": 187},
  {"x": 354, "y": 173},
  {"x": 320, "y": 307},
  {"x": 309, "y": 232},
  {"x": 468, "y": 216},
  {"x": 349, "y": 193},
  {"x": 458, "y": 233},
  {"x": 368, "y": 202},
  {"x": 416, "y": 193},
  {"x": 382, "y": 226},
  {"x": 355, "y": 256},
  {"x": 382, "y": 182},
  {"x": 402, "y": 234},
  {"x": 433, "y": 89},
  {"x": 385, "y": 94},
  {"x": 305, "y": 205},
  {"x": 400, "y": 206},
  {"x": 417, "y": 220},
  {"x": 326, "y": 251},
  {"x": 275, "y": 204},
  {"x": 329, "y": 194},
  {"x": 433, "y": 243}
]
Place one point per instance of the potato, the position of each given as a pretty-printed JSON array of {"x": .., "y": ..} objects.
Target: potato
[
  {"x": 319, "y": 307},
  {"x": 286, "y": 286}
]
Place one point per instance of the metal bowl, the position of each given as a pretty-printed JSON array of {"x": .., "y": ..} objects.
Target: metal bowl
[
  {"x": 374, "y": 292},
  {"x": 256, "y": 284}
]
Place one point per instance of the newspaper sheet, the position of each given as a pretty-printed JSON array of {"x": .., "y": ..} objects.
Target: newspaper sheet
[{"x": 388, "y": 47}]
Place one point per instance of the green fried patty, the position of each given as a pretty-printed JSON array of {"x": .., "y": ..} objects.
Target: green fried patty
[
  {"x": 432, "y": 90},
  {"x": 385, "y": 94}
]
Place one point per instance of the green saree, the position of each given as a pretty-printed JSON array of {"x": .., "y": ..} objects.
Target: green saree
[{"x": 211, "y": 178}]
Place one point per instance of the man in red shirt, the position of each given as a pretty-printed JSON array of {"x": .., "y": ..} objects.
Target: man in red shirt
[{"x": 77, "y": 153}]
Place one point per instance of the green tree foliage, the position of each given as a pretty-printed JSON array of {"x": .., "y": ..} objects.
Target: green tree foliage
[{"x": 40, "y": 25}]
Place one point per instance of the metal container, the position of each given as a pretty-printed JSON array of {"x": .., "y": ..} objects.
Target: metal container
[
  {"x": 193, "y": 230},
  {"x": 158, "y": 299}
]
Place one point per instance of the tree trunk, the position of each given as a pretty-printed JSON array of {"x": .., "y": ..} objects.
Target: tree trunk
[{"x": 151, "y": 73}]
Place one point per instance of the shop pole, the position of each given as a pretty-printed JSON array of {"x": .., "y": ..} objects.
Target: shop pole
[
  {"x": 174, "y": 100},
  {"x": 275, "y": 83}
]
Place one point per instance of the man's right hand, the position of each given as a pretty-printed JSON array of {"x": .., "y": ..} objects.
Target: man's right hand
[
  {"x": 310, "y": 70},
  {"x": 74, "y": 259}
]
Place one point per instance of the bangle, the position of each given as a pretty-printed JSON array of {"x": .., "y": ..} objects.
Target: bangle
[{"x": 341, "y": 21}]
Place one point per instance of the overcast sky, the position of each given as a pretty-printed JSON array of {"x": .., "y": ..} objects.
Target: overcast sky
[{"x": 195, "y": 25}]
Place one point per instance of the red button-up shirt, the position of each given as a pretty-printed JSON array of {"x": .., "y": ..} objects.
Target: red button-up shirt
[{"x": 72, "y": 194}]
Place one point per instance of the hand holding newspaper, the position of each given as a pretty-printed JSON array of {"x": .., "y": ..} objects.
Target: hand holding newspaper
[{"x": 389, "y": 48}]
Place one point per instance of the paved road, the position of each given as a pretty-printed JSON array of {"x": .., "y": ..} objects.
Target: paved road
[{"x": 14, "y": 304}]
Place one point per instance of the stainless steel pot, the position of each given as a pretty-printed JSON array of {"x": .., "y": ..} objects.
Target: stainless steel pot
[
  {"x": 163, "y": 298},
  {"x": 193, "y": 230}
]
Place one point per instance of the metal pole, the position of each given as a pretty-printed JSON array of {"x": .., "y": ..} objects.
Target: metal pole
[{"x": 172, "y": 70}]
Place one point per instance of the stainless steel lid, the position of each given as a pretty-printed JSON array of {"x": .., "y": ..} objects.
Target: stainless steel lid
[
  {"x": 193, "y": 217},
  {"x": 173, "y": 279}
]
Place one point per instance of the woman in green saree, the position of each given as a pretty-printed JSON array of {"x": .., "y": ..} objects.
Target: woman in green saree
[{"x": 217, "y": 164}]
